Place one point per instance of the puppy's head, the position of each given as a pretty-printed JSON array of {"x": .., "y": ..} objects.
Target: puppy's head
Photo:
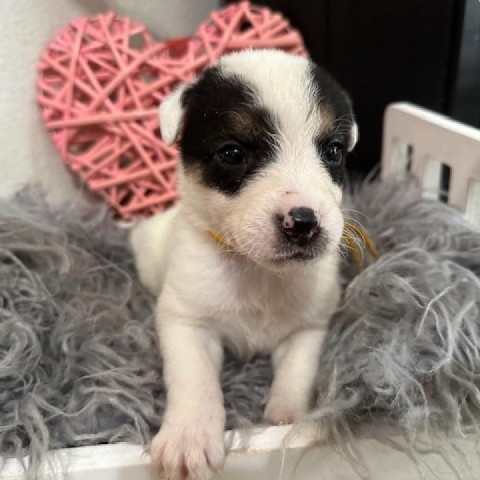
[{"x": 263, "y": 138}]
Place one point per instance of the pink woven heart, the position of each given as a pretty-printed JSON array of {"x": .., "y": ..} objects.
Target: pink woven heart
[{"x": 100, "y": 83}]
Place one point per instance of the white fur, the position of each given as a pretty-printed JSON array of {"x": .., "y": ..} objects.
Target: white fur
[
  {"x": 171, "y": 112},
  {"x": 149, "y": 241},
  {"x": 209, "y": 297}
]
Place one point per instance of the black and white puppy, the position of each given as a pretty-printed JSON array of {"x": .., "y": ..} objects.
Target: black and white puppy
[{"x": 248, "y": 258}]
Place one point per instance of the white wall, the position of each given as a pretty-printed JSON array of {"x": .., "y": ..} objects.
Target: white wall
[{"x": 26, "y": 27}]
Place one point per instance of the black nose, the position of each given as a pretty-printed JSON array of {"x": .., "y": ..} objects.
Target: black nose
[{"x": 300, "y": 225}]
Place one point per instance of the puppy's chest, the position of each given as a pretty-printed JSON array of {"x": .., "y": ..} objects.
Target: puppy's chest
[{"x": 253, "y": 312}]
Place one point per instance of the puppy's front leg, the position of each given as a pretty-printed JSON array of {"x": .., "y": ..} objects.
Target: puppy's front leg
[
  {"x": 295, "y": 363},
  {"x": 190, "y": 442}
]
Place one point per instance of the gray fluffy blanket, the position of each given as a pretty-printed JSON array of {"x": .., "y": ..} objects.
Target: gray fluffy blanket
[{"x": 79, "y": 363}]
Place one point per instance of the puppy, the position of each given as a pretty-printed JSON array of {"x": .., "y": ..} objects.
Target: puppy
[{"x": 248, "y": 258}]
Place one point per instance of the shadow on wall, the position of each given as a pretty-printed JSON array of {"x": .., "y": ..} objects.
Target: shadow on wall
[{"x": 165, "y": 18}]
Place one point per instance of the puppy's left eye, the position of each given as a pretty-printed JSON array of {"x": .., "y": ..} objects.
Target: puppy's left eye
[
  {"x": 335, "y": 153},
  {"x": 230, "y": 155}
]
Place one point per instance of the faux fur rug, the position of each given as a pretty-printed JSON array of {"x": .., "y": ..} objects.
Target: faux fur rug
[{"x": 78, "y": 354}]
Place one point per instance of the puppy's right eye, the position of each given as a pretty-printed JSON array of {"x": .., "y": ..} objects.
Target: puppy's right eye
[{"x": 230, "y": 155}]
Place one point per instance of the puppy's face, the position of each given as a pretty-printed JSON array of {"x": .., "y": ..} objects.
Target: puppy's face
[{"x": 263, "y": 138}]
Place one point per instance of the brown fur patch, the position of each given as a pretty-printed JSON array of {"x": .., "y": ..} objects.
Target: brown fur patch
[{"x": 326, "y": 119}]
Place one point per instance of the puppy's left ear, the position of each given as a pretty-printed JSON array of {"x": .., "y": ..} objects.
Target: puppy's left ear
[
  {"x": 353, "y": 136},
  {"x": 171, "y": 115}
]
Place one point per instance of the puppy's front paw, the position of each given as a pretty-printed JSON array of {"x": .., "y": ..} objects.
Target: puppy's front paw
[
  {"x": 282, "y": 411},
  {"x": 193, "y": 450}
]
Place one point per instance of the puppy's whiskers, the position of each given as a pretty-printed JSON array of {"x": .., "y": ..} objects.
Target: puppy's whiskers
[{"x": 355, "y": 212}]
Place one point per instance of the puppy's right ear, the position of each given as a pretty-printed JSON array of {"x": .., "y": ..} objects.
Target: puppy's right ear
[{"x": 171, "y": 115}]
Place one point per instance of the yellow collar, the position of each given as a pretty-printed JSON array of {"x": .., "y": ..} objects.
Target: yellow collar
[
  {"x": 352, "y": 235},
  {"x": 220, "y": 239}
]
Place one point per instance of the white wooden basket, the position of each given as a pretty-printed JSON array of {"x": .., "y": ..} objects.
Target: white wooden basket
[
  {"x": 445, "y": 155},
  {"x": 429, "y": 145}
]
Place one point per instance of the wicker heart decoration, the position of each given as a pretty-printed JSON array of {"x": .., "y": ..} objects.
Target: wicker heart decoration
[{"x": 100, "y": 83}]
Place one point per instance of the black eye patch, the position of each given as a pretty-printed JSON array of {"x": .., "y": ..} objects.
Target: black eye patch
[
  {"x": 333, "y": 152},
  {"x": 332, "y": 145},
  {"x": 220, "y": 111}
]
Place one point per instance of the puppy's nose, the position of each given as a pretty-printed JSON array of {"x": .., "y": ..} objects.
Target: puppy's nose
[{"x": 300, "y": 224}]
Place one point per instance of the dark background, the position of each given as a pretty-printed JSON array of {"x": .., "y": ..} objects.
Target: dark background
[{"x": 422, "y": 51}]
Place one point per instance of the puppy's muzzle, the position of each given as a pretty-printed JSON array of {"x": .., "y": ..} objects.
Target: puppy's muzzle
[{"x": 300, "y": 225}]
